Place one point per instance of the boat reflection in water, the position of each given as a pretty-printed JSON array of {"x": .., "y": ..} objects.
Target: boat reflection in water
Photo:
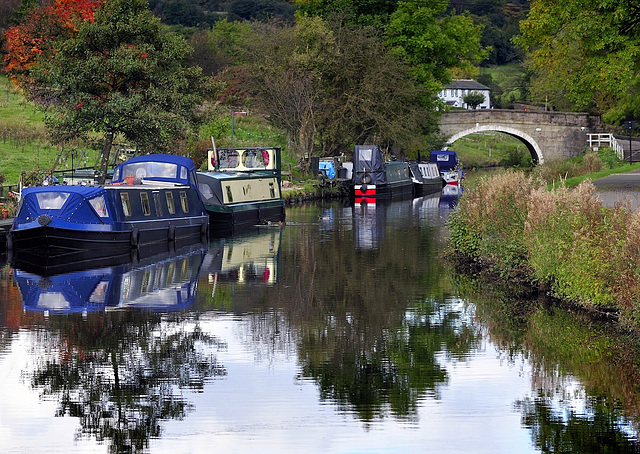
[
  {"x": 450, "y": 196},
  {"x": 250, "y": 259},
  {"x": 166, "y": 281},
  {"x": 370, "y": 221}
]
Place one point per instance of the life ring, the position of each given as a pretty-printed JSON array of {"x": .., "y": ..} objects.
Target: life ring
[{"x": 366, "y": 179}]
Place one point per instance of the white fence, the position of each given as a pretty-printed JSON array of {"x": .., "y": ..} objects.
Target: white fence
[{"x": 606, "y": 140}]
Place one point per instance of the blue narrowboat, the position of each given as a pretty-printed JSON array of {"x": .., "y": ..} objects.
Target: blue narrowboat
[
  {"x": 449, "y": 165},
  {"x": 242, "y": 188},
  {"x": 151, "y": 199}
]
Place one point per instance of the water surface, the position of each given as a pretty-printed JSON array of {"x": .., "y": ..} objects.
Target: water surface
[{"x": 342, "y": 332}]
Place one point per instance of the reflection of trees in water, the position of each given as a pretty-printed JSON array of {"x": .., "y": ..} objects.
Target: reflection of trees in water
[
  {"x": 358, "y": 340},
  {"x": 587, "y": 375},
  {"x": 597, "y": 428},
  {"x": 346, "y": 313},
  {"x": 121, "y": 373},
  {"x": 395, "y": 368}
]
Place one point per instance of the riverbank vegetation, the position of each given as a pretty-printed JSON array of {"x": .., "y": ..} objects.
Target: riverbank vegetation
[{"x": 561, "y": 241}]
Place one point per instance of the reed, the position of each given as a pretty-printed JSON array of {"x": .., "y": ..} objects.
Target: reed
[{"x": 561, "y": 240}]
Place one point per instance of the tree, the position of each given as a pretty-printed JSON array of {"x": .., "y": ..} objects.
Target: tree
[
  {"x": 121, "y": 74},
  {"x": 473, "y": 99},
  {"x": 332, "y": 85},
  {"x": 36, "y": 35},
  {"x": 356, "y": 12},
  {"x": 579, "y": 58},
  {"x": 434, "y": 44}
]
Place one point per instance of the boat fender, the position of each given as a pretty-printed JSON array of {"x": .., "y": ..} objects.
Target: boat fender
[
  {"x": 363, "y": 188},
  {"x": 9, "y": 242},
  {"x": 366, "y": 179},
  {"x": 171, "y": 234},
  {"x": 44, "y": 219},
  {"x": 135, "y": 237}
]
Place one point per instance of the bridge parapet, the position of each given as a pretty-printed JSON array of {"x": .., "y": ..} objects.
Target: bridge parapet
[{"x": 547, "y": 135}]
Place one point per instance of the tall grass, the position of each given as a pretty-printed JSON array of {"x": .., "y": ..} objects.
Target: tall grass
[{"x": 561, "y": 240}]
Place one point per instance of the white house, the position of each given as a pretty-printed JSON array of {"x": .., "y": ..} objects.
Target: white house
[{"x": 454, "y": 93}]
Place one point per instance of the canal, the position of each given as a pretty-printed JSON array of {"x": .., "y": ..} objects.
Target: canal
[{"x": 342, "y": 332}]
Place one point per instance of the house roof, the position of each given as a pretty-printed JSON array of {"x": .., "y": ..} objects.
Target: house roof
[{"x": 466, "y": 84}]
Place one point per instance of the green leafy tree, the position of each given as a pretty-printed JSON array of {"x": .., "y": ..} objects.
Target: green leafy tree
[
  {"x": 122, "y": 74},
  {"x": 579, "y": 57},
  {"x": 473, "y": 99},
  {"x": 433, "y": 44},
  {"x": 354, "y": 12}
]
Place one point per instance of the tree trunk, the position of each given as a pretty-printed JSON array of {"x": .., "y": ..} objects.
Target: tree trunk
[{"x": 108, "y": 140}]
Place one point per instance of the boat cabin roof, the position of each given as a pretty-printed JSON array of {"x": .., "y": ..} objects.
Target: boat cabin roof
[
  {"x": 446, "y": 159},
  {"x": 156, "y": 167}
]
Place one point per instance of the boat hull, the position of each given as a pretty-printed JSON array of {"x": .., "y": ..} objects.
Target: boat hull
[
  {"x": 229, "y": 219},
  {"x": 58, "y": 239},
  {"x": 399, "y": 190},
  {"x": 427, "y": 187}
]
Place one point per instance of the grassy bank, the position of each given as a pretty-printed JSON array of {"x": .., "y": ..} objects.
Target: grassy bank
[{"x": 562, "y": 241}]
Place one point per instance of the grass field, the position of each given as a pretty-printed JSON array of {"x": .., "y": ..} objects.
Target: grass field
[
  {"x": 491, "y": 149},
  {"x": 23, "y": 139}
]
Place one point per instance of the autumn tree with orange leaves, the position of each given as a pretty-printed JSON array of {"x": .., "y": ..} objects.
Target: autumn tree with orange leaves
[{"x": 36, "y": 35}]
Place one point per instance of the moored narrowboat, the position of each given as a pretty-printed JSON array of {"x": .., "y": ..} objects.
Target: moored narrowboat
[
  {"x": 426, "y": 178},
  {"x": 151, "y": 199},
  {"x": 375, "y": 179},
  {"x": 242, "y": 188},
  {"x": 449, "y": 165}
]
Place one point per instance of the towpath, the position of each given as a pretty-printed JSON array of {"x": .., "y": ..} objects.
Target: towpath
[{"x": 618, "y": 187}]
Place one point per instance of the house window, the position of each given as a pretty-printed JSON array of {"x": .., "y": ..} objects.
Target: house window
[
  {"x": 146, "y": 207},
  {"x": 126, "y": 205},
  {"x": 184, "y": 202},
  {"x": 170, "y": 205}
]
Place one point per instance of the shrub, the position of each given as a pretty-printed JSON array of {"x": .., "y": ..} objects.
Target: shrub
[{"x": 489, "y": 222}]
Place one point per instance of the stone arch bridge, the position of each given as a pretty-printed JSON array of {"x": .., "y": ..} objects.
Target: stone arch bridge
[{"x": 547, "y": 135}]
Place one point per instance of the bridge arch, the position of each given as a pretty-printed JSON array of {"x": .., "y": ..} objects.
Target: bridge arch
[{"x": 526, "y": 139}]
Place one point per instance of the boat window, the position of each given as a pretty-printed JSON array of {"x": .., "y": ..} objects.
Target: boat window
[
  {"x": 150, "y": 170},
  {"x": 229, "y": 159},
  {"x": 146, "y": 207},
  {"x": 229, "y": 194},
  {"x": 184, "y": 202},
  {"x": 205, "y": 191},
  {"x": 98, "y": 204},
  {"x": 52, "y": 200},
  {"x": 252, "y": 160},
  {"x": 156, "y": 201},
  {"x": 170, "y": 205},
  {"x": 366, "y": 154},
  {"x": 272, "y": 190},
  {"x": 183, "y": 173},
  {"x": 126, "y": 205}
]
